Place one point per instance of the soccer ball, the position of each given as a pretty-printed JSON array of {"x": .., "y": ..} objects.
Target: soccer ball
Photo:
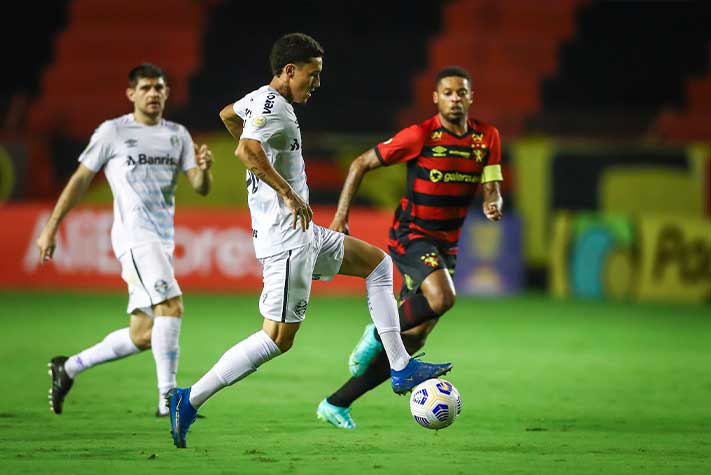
[{"x": 435, "y": 404}]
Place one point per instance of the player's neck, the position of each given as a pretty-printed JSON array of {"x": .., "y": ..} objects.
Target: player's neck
[
  {"x": 282, "y": 87},
  {"x": 459, "y": 127},
  {"x": 145, "y": 119}
]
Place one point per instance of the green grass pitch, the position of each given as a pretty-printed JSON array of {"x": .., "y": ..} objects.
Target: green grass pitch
[{"x": 547, "y": 387}]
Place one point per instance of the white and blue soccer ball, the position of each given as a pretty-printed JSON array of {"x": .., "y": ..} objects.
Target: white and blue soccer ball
[{"x": 435, "y": 404}]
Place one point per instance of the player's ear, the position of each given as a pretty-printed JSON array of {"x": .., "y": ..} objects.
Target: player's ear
[
  {"x": 167, "y": 91},
  {"x": 435, "y": 97},
  {"x": 290, "y": 70},
  {"x": 129, "y": 93}
]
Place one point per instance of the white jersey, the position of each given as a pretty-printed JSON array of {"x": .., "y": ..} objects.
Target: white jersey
[
  {"x": 270, "y": 119},
  {"x": 141, "y": 163}
]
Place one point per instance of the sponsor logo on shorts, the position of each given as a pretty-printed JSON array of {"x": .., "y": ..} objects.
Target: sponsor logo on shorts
[
  {"x": 161, "y": 286},
  {"x": 408, "y": 282},
  {"x": 300, "y": 308},
  {"x": 430, "y": 259}
]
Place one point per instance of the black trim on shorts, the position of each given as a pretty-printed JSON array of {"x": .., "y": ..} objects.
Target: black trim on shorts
[
  {"x": 138, "y": 273},
  {"x": 286, "y": 290}
]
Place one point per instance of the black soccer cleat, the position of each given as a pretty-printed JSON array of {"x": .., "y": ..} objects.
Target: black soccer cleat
[{"x": 61, "y": 383}]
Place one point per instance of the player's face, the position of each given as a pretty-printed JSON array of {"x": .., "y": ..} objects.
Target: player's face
[
  {"x": 149, "y": 96},
  {"x": 305, "y": 79},
  {"x": 453, "y": 98}
]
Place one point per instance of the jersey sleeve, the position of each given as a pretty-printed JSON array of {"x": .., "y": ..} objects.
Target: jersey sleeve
[
  {"x": 259, "y": 125},
  {"x": 492, "y": 170},
  {"x": 187, "y": 152},
  {"x": 100, "y": 149},
  {"x": 405, "y": 145}
]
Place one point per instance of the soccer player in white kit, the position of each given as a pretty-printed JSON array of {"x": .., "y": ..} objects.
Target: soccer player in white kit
[
  {"x": 141, "y": 155},
  {"x": 292, "y": 250}
]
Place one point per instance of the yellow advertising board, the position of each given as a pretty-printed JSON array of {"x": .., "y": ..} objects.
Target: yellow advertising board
[{"x": 675, "y": 259}]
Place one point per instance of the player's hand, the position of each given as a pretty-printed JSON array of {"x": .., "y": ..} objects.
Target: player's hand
[
  {"x": 47, "y": 244},
  {"x": 339, "y": 225},
  {"x": 300, "y": 210},
  {"x": 203, "y": 157},
  {"x": 492, "y": 211}
]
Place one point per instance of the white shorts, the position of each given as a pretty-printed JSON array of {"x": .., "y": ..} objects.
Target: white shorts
[
  {"x": 148, "y": 271},
  {"x": 288, "y": 275}
]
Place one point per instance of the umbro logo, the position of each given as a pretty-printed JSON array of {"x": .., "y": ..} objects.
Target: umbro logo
[{"x": 131, "y": 143}]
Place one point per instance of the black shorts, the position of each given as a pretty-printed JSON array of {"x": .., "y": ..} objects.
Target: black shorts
[{"x": 421, "y": 258}]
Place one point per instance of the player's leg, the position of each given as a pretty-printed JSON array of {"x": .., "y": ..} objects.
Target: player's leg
[
  {"x": 165, "y": 345},
  {"x": 365, "y": 260},
  {"x": 149, "y": 272},
  {"x": 435, "y": 298},
  {"x": 283, "y": 303},
  {"x": 117, "y": 344},
  {"x": 422, "y": 271}
]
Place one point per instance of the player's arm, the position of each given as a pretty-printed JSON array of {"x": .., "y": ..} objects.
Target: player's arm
[
  {"x": 200, "y": 177},
  {"x": 72, "y": 193},
  {"x": 233, "y": 123},
  {"x": 359, "y": 167},
  {"x": 251, "y": 154},
  {"x": 493, "y": 202}
]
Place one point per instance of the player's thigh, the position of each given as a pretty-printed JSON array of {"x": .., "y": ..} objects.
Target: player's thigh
[
  {"x": 148, "y": 271},
  {"x": 359, "y": 257},
  {"x": 287, "y": 285},
  {"x": 330, "y": 248},
  {"x": 438, "y": 288}
]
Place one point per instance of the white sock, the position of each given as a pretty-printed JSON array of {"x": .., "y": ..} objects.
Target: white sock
[
  {"x": 115, "y": 345},
  {"x": 165, "y": 344},
  {"x": 237, "y": 363},
  {"x": 383, "y": 311}
]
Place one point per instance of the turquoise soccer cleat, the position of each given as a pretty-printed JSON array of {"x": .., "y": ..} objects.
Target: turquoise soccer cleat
[
  {"x": 336, "y": 415},
  {"x": 364, "y": 352}
]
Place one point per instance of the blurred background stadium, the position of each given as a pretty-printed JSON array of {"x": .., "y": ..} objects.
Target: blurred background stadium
[
  {"x": 591, "y": 357},
  {"x": 603, "y": 109}
]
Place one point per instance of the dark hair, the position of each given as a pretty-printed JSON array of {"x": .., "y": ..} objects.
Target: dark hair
[
  {"x": 293, "y": 48},
  {"x": 145, "y": 70},
  {"x": 450, "y": 71}
]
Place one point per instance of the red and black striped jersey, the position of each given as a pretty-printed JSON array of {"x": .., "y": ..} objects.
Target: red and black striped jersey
[{"x": 443, "y": 172}]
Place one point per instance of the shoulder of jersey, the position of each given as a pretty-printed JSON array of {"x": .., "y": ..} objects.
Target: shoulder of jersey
[
  {"x": 172, "y": 126},
  {"x": 483, "y": 126}
]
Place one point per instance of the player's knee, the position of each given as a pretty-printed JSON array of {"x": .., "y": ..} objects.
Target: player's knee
[
  {"x": 382, "y": 271},
  {"x": 141, "y": 337},
  {"x": 284, "y": 342},
  {"x": 441, "y": 302},
  {"x": 172, "y": 307}
]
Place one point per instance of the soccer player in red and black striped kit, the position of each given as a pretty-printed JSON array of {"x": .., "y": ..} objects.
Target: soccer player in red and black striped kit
[{"x": 447, "y": 157}]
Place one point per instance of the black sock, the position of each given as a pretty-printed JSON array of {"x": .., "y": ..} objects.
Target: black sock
[{"x": 377, "y": 372}]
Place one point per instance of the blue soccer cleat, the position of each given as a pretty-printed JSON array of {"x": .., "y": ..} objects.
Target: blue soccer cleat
[
  {"x": 364, "y": 352},
  {"x": 182, "y": 415},
  {"x": 416, "y": 372},
  {"x": 336, "y": 415}
]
